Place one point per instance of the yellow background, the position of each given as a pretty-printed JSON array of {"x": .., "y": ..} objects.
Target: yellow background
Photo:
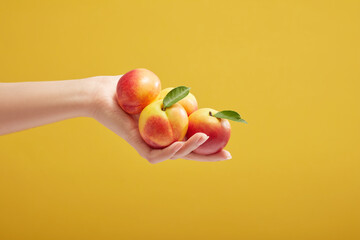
[{"x": 291, "y": 68}]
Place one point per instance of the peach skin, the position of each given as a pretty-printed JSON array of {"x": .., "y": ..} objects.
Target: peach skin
[
  {"x": 161, "y": 127},
  {"x": 218, "y": 130},
  {"x": 136, "y": 89}
]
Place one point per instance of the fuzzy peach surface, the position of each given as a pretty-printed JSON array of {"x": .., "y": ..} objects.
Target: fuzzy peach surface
[
  {"x": 136, "y": 89},
  {"x": 161, "y": 128}
]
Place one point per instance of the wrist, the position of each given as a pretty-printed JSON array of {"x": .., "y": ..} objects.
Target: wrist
[{"x": 99, "y": 94}]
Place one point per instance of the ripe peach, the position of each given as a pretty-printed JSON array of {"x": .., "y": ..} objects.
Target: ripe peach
[
  {"x": 137, "y": 89},
  {"x": 218, "y": 130},
  {"x": 189, "y": 102},
  {"x": 159, "y": 128}
]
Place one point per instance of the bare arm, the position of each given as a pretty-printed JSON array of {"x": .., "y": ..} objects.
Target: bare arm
[
  {"x": 30, "y": 104},
  {"x": 26, "y": 105}
]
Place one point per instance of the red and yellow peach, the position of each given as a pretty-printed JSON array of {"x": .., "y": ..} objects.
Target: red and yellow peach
[
  {"x": 136, "y": 89},
  {"x": 218, "y": 130},
  {"x": 161, "y": 127}
]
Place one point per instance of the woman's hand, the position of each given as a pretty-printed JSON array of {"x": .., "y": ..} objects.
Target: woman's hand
[{"x": 107, "y": 111}]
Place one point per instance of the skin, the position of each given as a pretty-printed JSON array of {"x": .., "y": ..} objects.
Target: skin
[
  {"x": 189, "y": 102},
  {"x": 161, "y": 128},
  {"x": 136, "y": 89},
  {"x": 26, "y": 105},
  {"x": 217, "y": 129}
]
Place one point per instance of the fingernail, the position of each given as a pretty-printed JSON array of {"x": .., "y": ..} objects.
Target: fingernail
[
  {"x": 228, "y": 156},
  {"x": 202, "y": 140}
]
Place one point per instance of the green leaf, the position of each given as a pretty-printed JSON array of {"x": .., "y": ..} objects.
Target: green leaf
[
  {"x": 175, "y": 95},
  {"x": 231, "y": 115}
]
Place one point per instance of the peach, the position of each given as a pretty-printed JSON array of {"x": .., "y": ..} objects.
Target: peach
[
  {"x": 189, "y": 102},
  {"x": 136, "y": 89},
  {"x": 159, "y": 128},
  {"x": 218, "y": 130}
]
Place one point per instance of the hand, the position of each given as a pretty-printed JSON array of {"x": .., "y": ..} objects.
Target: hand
[{"x": 107, "y": 111}]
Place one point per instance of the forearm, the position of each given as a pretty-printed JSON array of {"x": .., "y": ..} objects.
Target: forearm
[{"x": 30, "y": 104}]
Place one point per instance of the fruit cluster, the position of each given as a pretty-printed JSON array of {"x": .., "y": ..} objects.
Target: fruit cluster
[{"x": 171, "y": 114}]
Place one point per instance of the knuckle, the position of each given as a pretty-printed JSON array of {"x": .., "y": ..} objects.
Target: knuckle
[
  {"x": 151, "y": 159},
  {"x": 174, "y": 157}
]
